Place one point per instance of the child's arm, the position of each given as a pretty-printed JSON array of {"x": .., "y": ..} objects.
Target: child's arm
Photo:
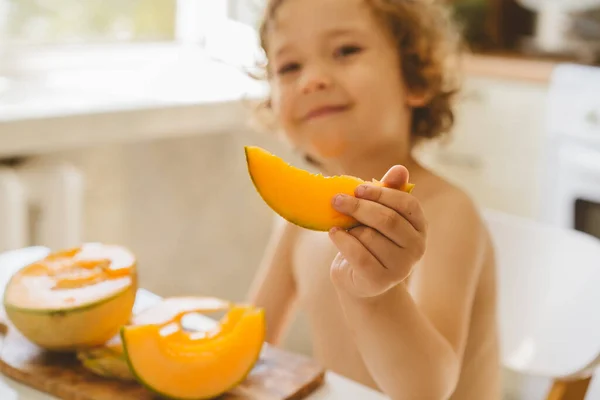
[
  {"x": 273, "y": 288},
  {"x": 412, "y": 344}
]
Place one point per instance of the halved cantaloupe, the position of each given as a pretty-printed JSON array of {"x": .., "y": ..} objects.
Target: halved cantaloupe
[
  {"x": 74, "y": 298},
  {"x": 175, "y": 364},
  {"x": 109, "y": 361},
  {"x": 299, "y": 196}
]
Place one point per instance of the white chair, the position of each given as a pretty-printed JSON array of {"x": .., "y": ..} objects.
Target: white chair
[{"x": 549, "y": 302}]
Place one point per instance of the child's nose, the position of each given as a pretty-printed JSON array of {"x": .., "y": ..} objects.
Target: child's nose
[{"x": 315, "y": 80}]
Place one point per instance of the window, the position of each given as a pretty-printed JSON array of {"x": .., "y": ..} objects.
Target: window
[
  {"x": 42, "y": 22},
  {"x": 47, "y": 36}
]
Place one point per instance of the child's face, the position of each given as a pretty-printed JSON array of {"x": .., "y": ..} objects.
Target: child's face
[{"x": 337, "y": 87}]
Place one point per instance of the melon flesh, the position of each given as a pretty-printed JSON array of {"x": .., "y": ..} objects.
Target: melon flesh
[
  {"x": 299, "y": 196},
  {"x": 177, "y": 366},
  {"x": 108, "y": 360},
  {"x": 171, "y": 308},
  {"x": 74, "y": 298}
]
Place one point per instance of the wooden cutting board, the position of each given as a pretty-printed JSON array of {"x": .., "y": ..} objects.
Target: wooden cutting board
[{"x": 278, "y": 374}]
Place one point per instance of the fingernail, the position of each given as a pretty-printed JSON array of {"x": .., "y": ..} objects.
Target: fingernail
[
  {"x": 338, "y": 200},
  {"x": 361, "y": 190},
  {"x": 334, "y": 230}
]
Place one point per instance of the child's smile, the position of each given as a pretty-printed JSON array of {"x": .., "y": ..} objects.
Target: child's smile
[{"x": 324, "y": 111}]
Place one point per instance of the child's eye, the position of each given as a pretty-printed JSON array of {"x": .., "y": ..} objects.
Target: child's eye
[
  {"x": 347, "y": 50},
  {"x": 289, "y": 67}
]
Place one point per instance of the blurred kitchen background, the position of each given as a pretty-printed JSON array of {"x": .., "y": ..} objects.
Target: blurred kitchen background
[{"x": 124, "y": 121}]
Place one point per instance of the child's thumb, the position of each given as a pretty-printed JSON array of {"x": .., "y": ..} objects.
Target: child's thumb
[{"x": 396, "y": 177}]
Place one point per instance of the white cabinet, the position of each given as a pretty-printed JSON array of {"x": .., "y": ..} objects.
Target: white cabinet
[
  {"x": 41, "y": 204},
  {"x": 13, "y": 211},
  {"x": 494, "y": 151}
]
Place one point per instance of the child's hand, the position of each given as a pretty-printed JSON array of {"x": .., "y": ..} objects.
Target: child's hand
[{"x": 381, "y": 252}]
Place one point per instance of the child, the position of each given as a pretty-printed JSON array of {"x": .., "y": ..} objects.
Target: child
[{"x": 406, "y": 302}]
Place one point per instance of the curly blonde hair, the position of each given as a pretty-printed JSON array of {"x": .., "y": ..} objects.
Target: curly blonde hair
[{"x": 429, "y": 44}]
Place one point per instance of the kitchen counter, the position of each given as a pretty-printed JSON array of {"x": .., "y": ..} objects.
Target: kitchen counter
[
  {"x": 510, "y": 66},
  {"x": 335, "y": 387},
  {"x": 172, "y": 93},
  {"x": 175, "y": 92}
]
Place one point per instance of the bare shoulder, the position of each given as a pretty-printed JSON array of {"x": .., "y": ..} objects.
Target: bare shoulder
[
  {"x": 285, "y": 231},
  {"x": 299, "y": 244},
  {"x": 450, "y": 208},
  {"x": 456, "y": 227},
  {"x": 277, "y": 258}
]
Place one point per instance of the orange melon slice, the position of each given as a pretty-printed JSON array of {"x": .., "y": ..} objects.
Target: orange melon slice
[
  {"x": 109, "y": 361},
  {"x": 176, "y": 365},
  {"x": 299, "y": 196}
]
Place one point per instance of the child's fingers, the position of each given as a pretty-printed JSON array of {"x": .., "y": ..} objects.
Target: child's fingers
[
  {"x": 380, "y": 217},
  {"x": 372, "y": 275},
  {"x": 385, "y": 251},
  {"x": 403, "y": 203},
  {"x": 396, "y": 177}
]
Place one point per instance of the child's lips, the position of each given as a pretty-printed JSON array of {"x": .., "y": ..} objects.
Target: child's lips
[{"x": 325, "y": 111}]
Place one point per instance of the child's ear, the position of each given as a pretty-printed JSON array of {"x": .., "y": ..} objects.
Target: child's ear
[{"x": 418, "y": 98}]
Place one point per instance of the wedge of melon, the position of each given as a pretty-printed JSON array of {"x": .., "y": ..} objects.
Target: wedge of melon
[
  {"x": 173, "y": 308},
  {"x": 75, "y": 298},
  {"x": 109, "y": 361},
  {"x": 181, "y": 365},
  {"x": 299, "y": 196}
]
